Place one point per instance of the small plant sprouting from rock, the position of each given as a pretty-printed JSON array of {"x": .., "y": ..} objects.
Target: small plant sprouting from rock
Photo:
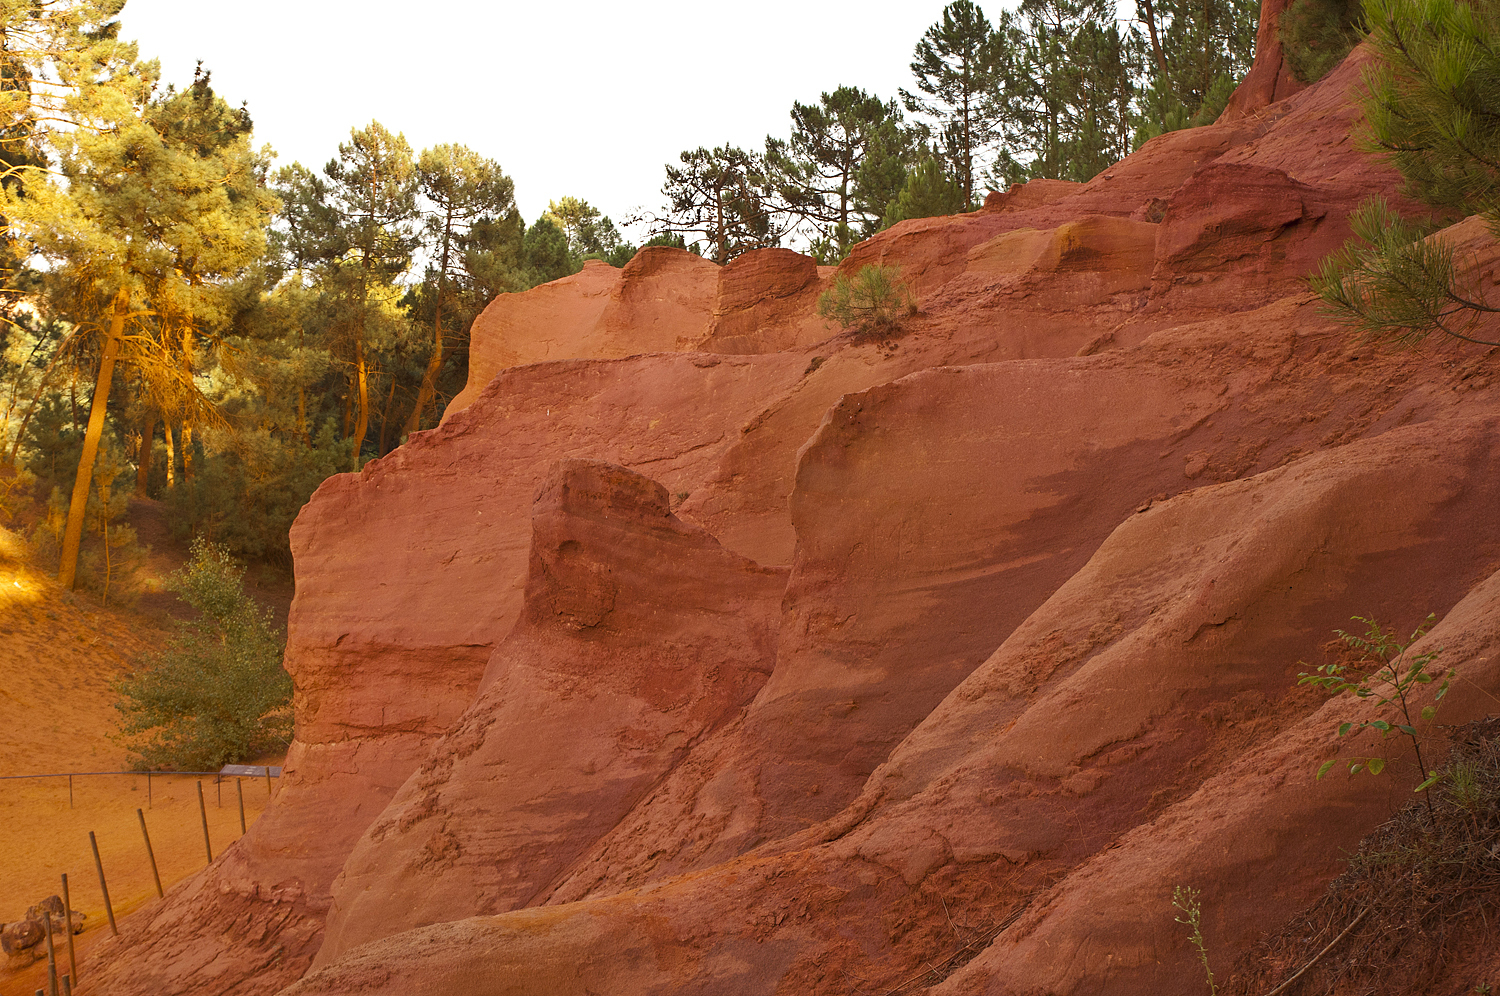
[
  {"x": 1190, "y": 915},
  {"x": 875, "y": 302},
  {"x": 1385, "y": 671}
]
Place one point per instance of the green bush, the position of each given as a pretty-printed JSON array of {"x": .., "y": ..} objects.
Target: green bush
[
  {"x": 217, "y": 693},
  {"x": 873, "y": 303},
  {"x": 1317, "y": 34}
]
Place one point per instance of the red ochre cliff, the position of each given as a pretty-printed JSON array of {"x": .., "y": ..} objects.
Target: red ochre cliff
[{"x": 705, "y": 649}]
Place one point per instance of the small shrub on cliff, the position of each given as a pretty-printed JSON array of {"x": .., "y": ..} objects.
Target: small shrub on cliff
[
  {"x": 216, "y": 693},
  {"x": 875, "y": 302},
  {"x": 1382, "y": 669}
]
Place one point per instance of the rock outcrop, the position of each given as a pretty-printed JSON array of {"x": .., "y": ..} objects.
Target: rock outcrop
[
  {"x": 640, "y": 636},
  {"x": 705, "y": 648}
]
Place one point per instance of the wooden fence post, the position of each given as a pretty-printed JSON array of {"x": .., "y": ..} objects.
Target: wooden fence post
[
  {"x": 239, "y": 787},
  {"x": 68, "y": 919},
  {"x": 103, "y": 887},
  {"x": 203, "y": 812},
  {"x": 150, "y": 854},
  {"x": 51, "y": 955}
]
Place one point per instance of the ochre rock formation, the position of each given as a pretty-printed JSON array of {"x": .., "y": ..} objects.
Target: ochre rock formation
[
  {"x": 640, "y": 636},
  {"x": 708, "y": 649}
]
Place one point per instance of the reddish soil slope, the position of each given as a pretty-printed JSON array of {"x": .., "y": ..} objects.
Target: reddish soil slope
[{"x": 773, "y": 660}]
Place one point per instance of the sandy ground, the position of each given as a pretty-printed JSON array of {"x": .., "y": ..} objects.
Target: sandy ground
[{"x": 58, "y": 655}]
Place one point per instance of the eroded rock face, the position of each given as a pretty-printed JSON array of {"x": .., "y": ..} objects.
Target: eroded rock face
[
  {"x": 766, "y": 302},
  {"x": 843, "y": 658},
  {"x": 1141, "y": 726},
  {"x": 640, "y": 636}
]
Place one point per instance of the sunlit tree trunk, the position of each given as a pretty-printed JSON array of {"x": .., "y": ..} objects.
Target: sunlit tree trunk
[
  {"x": 362, "y": 418},
  {"x": 187, "y": 428},
  {"x": 166, "y": 430},
  {"x": 143, "y": 454},
  {"x": 385, "y": 416},
  {"x": 67, "y": 568}
]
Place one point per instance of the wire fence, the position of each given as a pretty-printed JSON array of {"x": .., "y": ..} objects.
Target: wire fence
[
  {"x": 58, "y": 927},
  {"x": 228, "y": 771}
]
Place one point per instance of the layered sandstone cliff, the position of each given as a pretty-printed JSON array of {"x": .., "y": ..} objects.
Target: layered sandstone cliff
[{"x": 708, "y": 649}]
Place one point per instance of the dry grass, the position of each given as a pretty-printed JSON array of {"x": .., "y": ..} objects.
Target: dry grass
[{"x": 1421, "y": 887}]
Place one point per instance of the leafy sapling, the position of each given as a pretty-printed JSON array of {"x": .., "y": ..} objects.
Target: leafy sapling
[{"x": 1387, "y": 672}]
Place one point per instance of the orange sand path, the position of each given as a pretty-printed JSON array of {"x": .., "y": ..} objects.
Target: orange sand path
[{"x": 58, "y": 655}]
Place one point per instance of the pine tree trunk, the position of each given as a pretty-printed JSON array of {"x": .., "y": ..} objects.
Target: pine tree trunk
[
  {"x": 1208, "y": 38},
  {"x": 67, "y": 569},
  {"x": 362, "y": 420},
  {"x": 187, "y": 451},
  {"x": 143, "y": 455},
  {"x": 385, "y": 417},
  {"x": 1161, "y": 60},
  {"x": 187, "y": 429},
  {"x": 166, "y": 430},
  {"x": 435, "y": 362}
]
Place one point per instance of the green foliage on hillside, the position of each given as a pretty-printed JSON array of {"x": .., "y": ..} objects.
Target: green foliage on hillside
[
  {"x": 217, "y": 692},
  {"x": 1317, "y": 34},
  {"x": 1058, "y": 89}
]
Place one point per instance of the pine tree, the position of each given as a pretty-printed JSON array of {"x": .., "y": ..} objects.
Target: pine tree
[
  {"x": 929, "y": 192},
  {"x": 1432, "y": 112},
  {"x": 725, "y": 195},
  {"x": 461, "y": 188},
  {"x": 1200, "y": 50},
  {"x": 1099, "y": 120},
  {"x": 372, "y": 192},
  {"x": 894, "y": 150},
  {"x": 158, "y": 209},
  {"x": 955, "y": 66},
  {"x": 818, "y": 168}
]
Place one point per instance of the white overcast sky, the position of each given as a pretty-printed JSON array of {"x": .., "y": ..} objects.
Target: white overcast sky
[{"x": 585, "y": 98}]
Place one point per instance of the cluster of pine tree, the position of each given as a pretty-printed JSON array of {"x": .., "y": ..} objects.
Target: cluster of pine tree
[
  {"x": 1059, "y": 89},
  {"x": 181, "y": 322}
]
